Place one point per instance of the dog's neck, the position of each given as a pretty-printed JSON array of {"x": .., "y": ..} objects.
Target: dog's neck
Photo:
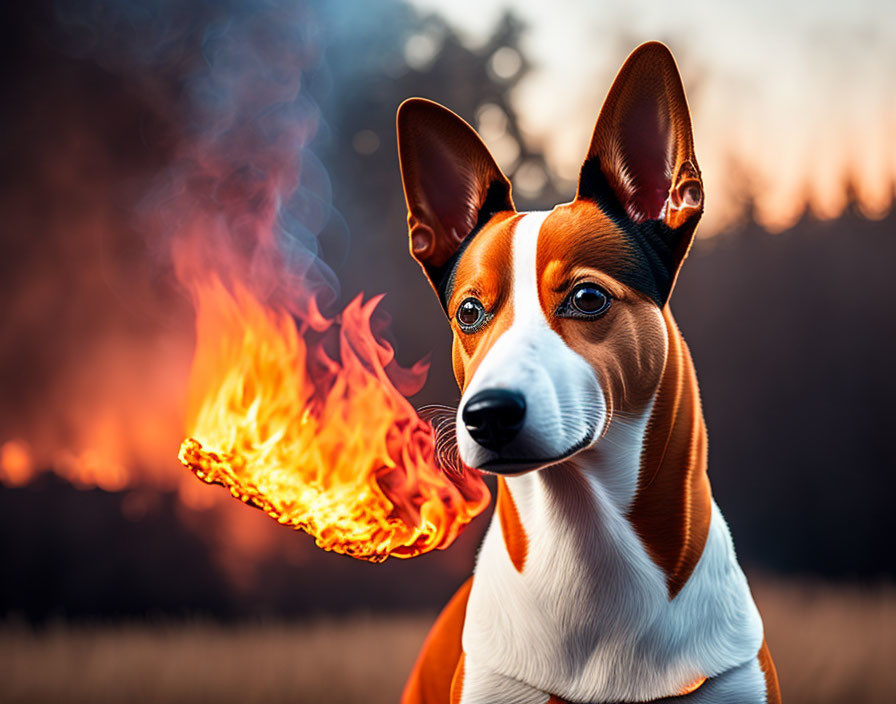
[
  {"x": 672, "y": 507},
  {"x": 610, "y": 557}
]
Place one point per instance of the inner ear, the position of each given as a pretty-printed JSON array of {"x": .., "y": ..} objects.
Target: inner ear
[
  {"x": 643, "y": 142},
  {"x": 446, "y": 185}
]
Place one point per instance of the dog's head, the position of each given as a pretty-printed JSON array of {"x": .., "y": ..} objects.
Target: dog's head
[{"x": 557, "y": 316}]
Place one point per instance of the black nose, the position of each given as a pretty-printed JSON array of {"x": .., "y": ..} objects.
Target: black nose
[{"x": 494, "y": 417}]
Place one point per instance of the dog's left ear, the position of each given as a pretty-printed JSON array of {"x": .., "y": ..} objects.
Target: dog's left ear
[
  {"x": 452, "y": 185},
  {"x": 641, "y": 168}
]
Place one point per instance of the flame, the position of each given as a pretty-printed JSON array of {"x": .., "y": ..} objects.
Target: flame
[
  {"x": 303, "y": 422},
  {"x": 16, "y": 466}
]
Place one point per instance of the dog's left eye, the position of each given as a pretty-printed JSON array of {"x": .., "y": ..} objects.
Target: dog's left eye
[
  {"x": 470, "y": 315},
  {"x": 585, "y": 301}
]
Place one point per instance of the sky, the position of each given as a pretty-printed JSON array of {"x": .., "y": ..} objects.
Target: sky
[{"x": 798, "y": 97}]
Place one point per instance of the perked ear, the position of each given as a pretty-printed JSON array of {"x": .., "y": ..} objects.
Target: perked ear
[
  {"x": 451, "y": 183},
  {"x": 641, "y": 166}
]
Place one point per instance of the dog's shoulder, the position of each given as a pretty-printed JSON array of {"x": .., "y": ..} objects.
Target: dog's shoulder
[{"x": 430, "y": 680}]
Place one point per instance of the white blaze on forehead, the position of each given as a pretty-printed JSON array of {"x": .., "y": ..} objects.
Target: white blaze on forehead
[{"x": 526, "y": 304}]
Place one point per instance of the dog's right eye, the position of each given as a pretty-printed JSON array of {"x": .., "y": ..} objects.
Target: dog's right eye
[
  {"x": 470, "y": 315},
  {"x": 585, "y": 302}
]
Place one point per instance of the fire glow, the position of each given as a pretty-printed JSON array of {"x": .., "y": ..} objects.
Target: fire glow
[{"x": 303, "y": 421}]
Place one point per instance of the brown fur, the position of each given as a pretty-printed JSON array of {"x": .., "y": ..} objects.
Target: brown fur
[
  {"x": 457, "y": 682},
  {"x": 773, "y": 689},
  {"x": 515, "y": 539},
  {"x": 486, "y": 272},
  {"x": 672, "y": 508}
]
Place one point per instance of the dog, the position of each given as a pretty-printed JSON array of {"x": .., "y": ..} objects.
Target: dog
[{"x": 607, "y": 573}]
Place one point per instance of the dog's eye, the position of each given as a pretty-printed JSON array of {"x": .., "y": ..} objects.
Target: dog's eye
[
  {"x": 470, "y": 315},
  {"x": 585, "y": 301}
]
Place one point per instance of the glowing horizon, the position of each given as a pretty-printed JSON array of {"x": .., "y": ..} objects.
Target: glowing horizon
[{"x": 795, "y": 100}]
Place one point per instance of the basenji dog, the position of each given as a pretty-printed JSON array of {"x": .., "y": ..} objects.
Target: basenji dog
[{"x": 607, "y": 573}]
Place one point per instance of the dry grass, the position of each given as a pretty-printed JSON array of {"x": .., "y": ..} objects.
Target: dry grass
[
  {"x": 831, "y": 645},
  {"x": 363, "y": 659}
]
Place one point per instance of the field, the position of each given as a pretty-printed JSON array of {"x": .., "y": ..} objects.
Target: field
[{"x": 831, "y": 645}]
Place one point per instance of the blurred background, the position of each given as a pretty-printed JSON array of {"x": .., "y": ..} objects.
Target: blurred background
[{"x": 121, "y": 120}]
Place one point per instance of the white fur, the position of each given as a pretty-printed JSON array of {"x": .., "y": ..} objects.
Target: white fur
[{"x": 589, "y": 618}]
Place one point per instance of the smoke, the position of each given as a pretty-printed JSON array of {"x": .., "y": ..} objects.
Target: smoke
[
  {"x": 155, "y": 142},
  {"x": 242, "y": 194}
]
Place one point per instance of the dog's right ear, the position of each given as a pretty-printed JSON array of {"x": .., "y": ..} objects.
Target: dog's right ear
[
  {"x": 641, "y": 167},
  {"x": 451, "y": 183}
]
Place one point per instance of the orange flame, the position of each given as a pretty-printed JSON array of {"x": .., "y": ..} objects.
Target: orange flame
[{"x": 304, "y": 423}]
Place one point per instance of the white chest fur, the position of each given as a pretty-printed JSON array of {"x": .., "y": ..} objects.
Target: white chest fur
[{"x": 589, "y": 617}]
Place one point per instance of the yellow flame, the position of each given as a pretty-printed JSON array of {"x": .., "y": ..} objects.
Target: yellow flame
[{"x": 317, "y": 436}]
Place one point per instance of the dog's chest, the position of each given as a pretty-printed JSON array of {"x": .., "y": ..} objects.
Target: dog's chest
[{"x": 589, "y": 618}]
